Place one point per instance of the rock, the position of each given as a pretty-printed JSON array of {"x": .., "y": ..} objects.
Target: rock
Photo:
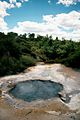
[
  {"x": 1, "y": 84},
  {"x": 3, "y": 93},
  {"x": 64, "y": 97},
  {"x": 11, "y": 85},
  {"x": 53, "y": 112},
  {"x": 0, "y": 93},
  {"x": 9, "y": 82}
]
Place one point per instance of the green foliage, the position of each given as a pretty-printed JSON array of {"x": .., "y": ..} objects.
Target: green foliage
[
  {"x": 27, "y": 60},
  {"x": 17, "y": 52}
]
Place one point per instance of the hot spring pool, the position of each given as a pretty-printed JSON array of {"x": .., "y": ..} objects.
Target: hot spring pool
[{"x": 36, "y": 90}]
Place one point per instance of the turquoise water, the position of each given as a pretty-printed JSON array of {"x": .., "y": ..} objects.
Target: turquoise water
[{"x": 36, "y": 90}]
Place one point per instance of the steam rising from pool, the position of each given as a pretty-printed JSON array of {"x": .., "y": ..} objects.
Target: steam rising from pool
[{"x": 36, "y": 90}]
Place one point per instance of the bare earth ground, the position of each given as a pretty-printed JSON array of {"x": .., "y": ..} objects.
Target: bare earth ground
[{"x": 12, "y": 109}]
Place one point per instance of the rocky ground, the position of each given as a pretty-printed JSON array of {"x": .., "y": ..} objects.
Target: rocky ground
[{"x": 54, "y": 109}]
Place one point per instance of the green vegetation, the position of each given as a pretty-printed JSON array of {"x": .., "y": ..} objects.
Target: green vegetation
[{"x": 18, "y": 52}]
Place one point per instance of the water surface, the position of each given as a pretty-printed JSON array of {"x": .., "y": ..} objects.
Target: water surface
[{"x": 36, "y": 90}]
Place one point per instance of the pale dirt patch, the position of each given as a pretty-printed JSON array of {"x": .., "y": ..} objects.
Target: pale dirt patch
[{"x": 54, "y": 72}]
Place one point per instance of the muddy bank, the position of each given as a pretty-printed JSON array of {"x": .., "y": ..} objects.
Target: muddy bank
[{"x": 43, "y": 110}]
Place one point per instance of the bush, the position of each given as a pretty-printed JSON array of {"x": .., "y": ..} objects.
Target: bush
[{"x": 27, "y": 60}]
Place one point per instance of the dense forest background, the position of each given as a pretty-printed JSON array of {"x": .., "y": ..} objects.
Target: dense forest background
[{"x": 18, "y": 52}]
